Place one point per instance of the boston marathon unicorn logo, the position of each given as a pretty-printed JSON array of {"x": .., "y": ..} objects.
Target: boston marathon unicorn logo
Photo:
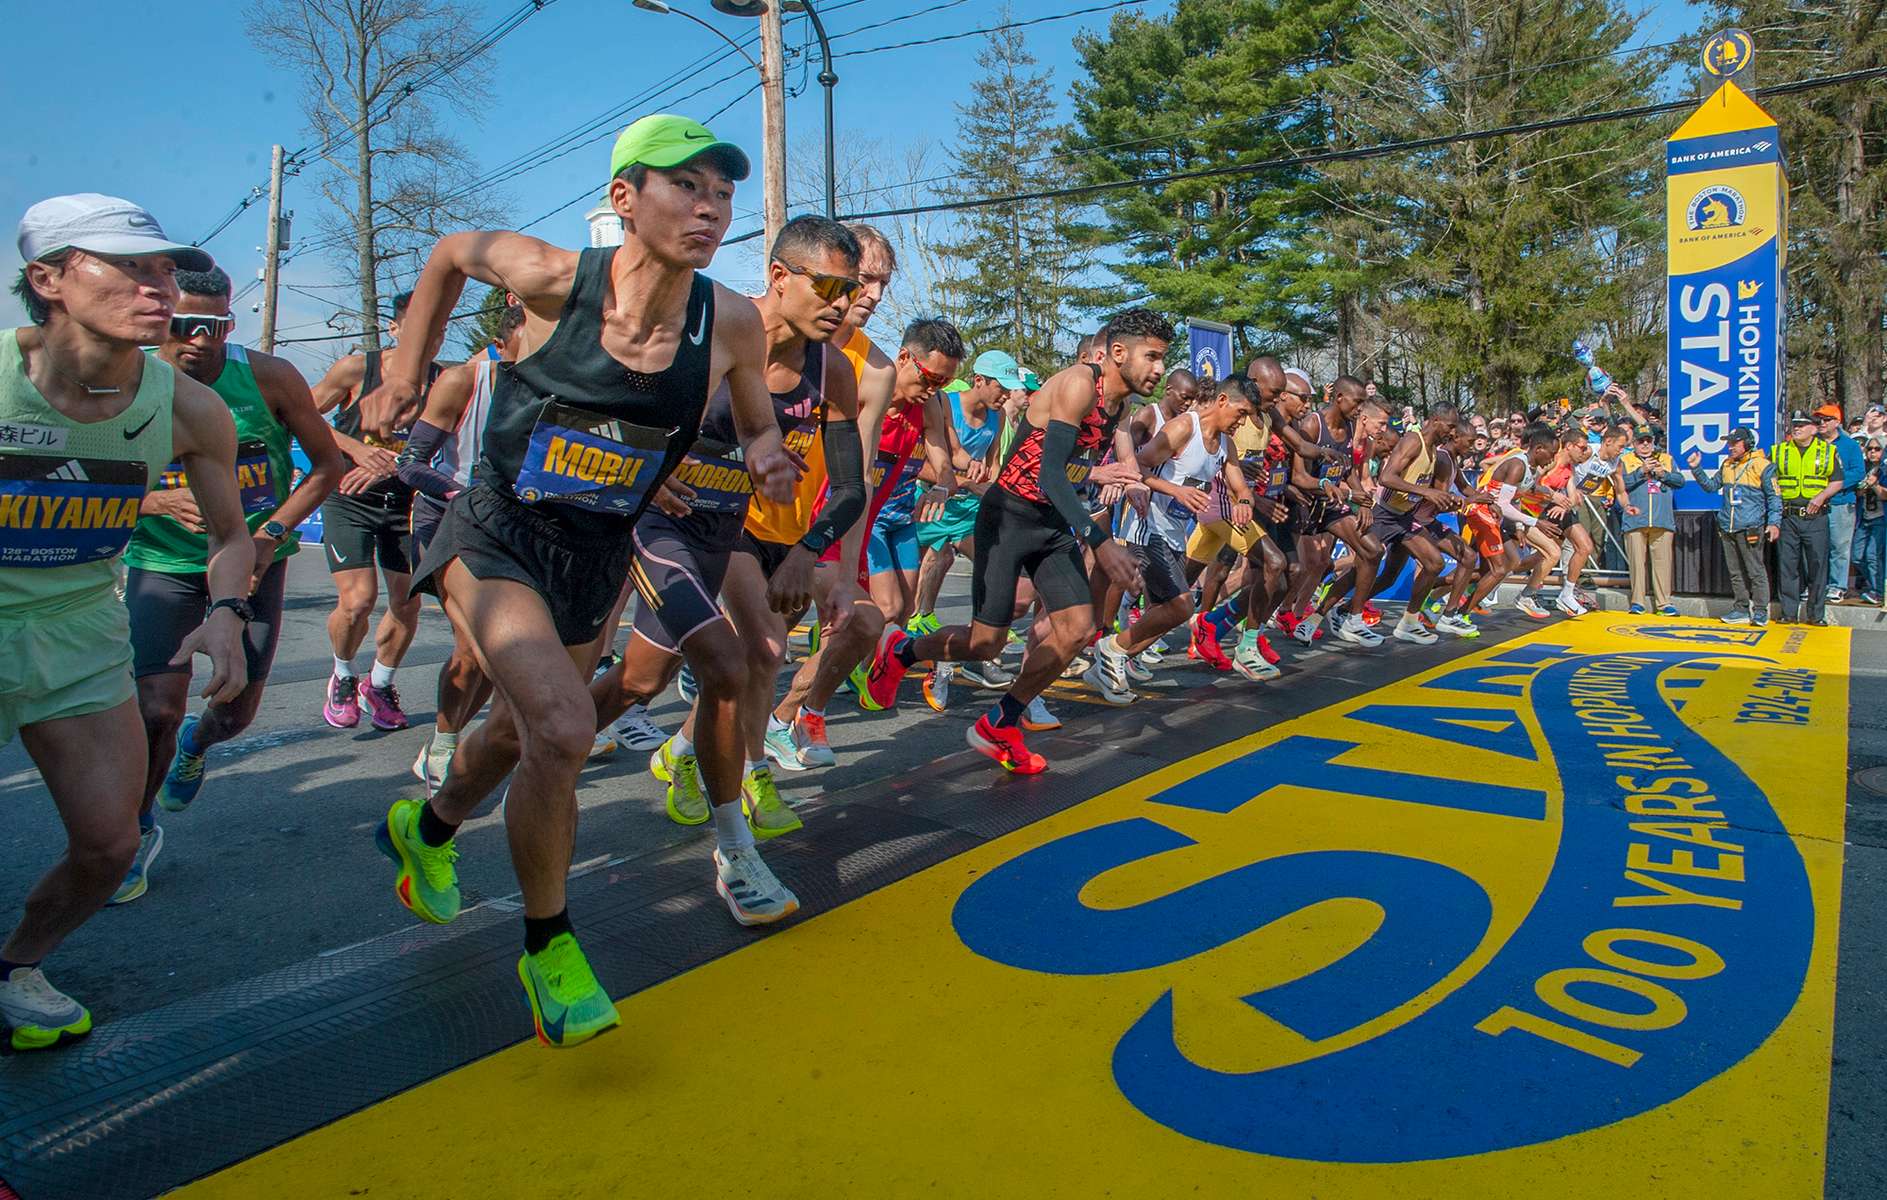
[{"x": 1716, "y": 207}]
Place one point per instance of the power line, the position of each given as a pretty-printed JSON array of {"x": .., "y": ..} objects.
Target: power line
[
  {"x": 1812, "y": 83},
  {"x": 951, "y": 37},
  {"x": 335, "y": 337}
]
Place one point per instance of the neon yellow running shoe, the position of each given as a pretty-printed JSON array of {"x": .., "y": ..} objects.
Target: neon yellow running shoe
[
  {"x": 767, "y": 814},
  {"x": 41, "y": 1016},
  {"x": 567, "y": 1004},
  {"x": 923, "y": 624},
  {"x": 687, "y": 803},
  {"x": 427, "y": 882}
]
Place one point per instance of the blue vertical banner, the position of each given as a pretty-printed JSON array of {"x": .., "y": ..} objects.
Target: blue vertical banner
[
  {"x": 1727, "y": 225},
  {"x": 1211, "y": 344}
]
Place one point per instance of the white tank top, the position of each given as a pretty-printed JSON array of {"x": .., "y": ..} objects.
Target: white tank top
[
  {"x": 1194, "y": 466},
  {"x": 459, "y": 455}
]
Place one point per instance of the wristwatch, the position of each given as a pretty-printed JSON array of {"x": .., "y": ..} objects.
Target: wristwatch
[
  {"x": 274, "y": 529},
  {"x": 245, "y": 612}
]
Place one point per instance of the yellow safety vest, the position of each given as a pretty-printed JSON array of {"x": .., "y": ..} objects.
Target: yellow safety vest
[{"x": 1802, "y": 474}]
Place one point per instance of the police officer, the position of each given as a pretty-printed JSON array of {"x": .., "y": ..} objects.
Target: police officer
[{"x": 1808, "y": 473}]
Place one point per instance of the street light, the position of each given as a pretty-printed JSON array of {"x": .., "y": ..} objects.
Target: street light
[
  {"x": 659, "y": 6},
  {"x": 828, "y": 79}
]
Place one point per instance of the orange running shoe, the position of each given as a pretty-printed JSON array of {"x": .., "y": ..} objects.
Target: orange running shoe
[{"x": 1005, "y": 745}]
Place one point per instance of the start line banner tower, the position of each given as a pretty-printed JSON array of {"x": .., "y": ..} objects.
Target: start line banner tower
[{"x": 1726, "y": 197}]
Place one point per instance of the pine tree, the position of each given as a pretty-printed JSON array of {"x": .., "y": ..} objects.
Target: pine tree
[
  {"x": 1218, "y": 83},
  {"x": 1018, "y": 283},
  {"x": 1504, "y": 250},
  {"x": 480, "y": 331}
]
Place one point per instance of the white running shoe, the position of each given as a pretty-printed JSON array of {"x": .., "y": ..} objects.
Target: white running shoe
[
  {"x": 634, "y": 731},
  {"x": 1076, "y": 668},
  {"x": 1306, "y": 631},
  {"x": 1457, "y": 625},
  {"x": 137, "y": 880},
  {"x": 603, "y": 746},
  {"x": 1409, "y": 629},
  {"x": 1528, "y": 606},
  {"x": 1100, "y": 679},
  {"x": 1037, "y": 719},
  {"x": 1350, "y": 628},
  {"x": 431, "y": 770},
  {"x": 1111, "y": 660},
  {"x": 1139, "y": 668},
  {"x": 753, "y": 893},
  {"x": 1568, "y": 602},
  {"x": 39, "y": 1014}
]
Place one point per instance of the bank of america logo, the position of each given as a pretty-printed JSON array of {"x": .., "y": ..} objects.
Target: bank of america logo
[
  {"x": 71, "y": 472},
  {"x": 1764, "y": 145}
]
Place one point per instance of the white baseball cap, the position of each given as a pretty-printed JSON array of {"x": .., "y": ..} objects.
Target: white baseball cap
[
  {"x": 1293, "y": 375},
  {"x": 100, "y": 225}
]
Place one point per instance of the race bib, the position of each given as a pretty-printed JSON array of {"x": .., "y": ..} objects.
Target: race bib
[
  {"x": 720, "y": 481},
  {"x": 590, "y": 461},
  {"x": 255, "y": 477},
  {"x": 57, "y": 511},
  {"x": 906, "y": 466}
]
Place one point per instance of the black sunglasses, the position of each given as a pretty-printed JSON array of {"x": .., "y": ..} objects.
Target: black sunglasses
[{"x": 193, "y": 325}]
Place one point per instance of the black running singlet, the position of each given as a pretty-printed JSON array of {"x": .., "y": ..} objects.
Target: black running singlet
[
  {"x": 583, "y": 438},
  {"x": 1021, "y": 474},
  {"x": 715, "y": 468},
  {"x": 347, "y": 422},
  {"x": 1334, "y": 471}
]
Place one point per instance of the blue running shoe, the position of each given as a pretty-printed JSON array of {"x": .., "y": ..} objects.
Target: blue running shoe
[{"x": 185, "y": 778}]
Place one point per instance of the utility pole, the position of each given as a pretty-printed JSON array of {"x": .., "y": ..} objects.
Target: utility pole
[
  {"x": 773, "y": 108},
  {"x": 271, "y": 263}
]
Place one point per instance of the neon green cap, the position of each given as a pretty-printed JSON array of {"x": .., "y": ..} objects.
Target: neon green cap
[{"x": 665, "y": 140}]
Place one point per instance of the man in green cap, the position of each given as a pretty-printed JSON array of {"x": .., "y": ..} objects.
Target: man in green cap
[{"x": 621, "y": 351}]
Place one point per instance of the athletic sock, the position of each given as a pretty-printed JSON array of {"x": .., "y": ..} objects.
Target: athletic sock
[
  {"x": 1227, "y": 614},
  {"x": 344, "y": 668},
  {"x": 1008, "y": 711},
  {"x": 906, "y": 653},
  {"x": 679, "y": 744},
  {"x": 8, "y": 966},
  {"x": 807, "y": 710},
  {"x": 731, "y": 832},
  {"x": 381, "y": 676},
  {"x": 774, "y": 722},
  {"x": 753, "y": 766},
  {"x": 539, "y": 930},
  {"x": 433, "y": 830},
  {"x": 442, "y": 744}
]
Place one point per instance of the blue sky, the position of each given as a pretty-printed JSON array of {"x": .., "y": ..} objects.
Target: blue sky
[{"x": 181, "y": 116}]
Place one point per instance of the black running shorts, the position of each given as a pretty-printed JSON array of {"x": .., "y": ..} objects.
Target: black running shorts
[
  {"x": 165, "y": 608},
  {"x": 1317, "y": 516},
  {"x": 579, "y": 574},
  {"x": 768, "y": 554},
  {"x": 1390, "y": 527},
  {"x": 358, "y": 533},
  {"x": 1160, "y": 568},
  {"x": 1015, "y": 537},
  {"x": 678, "y": 568}
]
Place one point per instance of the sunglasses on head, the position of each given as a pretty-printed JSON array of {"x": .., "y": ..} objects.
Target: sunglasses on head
[
  {"x": 194, "y": 325},
  {"x": 827, "y": 287}
]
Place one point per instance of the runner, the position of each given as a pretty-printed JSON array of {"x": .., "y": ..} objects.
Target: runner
[
  {"x": 167, "y": 587},
  {"x": 1560, "y": 482},
  {"x": 1261, "y": 457},
  {"x": 930, "y": 355},
  {"x": 87, "y": 422},
  {"x": 1413, "y": 491},
  {"x": 1031, "y": 522},
  {"x": 1507, "y": 477},
  {"x": 770, "y": 574},
  {"x": 367, "y": 521},
  {"x": 1185, "y": 455},
  {"x": 976, "y": 416},
  {"x": 1182, "y": 392},
  {"x": 621, "y": 351},
  {"x": 436, "y": 463},
  {"x": 1325, "y": 516}
]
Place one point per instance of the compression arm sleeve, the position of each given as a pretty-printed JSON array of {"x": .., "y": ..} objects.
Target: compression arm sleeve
[
  {"x": 1504, "y": 500},
  {"x": 1058, "y": 444},
  {"x": 845, "y": 497},
  {"x": 414, "y": 466}
]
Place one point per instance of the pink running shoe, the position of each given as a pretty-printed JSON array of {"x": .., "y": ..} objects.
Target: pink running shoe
[
  {"x": 383, "y": 706},
  {"x": 342, "y": 709}
]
